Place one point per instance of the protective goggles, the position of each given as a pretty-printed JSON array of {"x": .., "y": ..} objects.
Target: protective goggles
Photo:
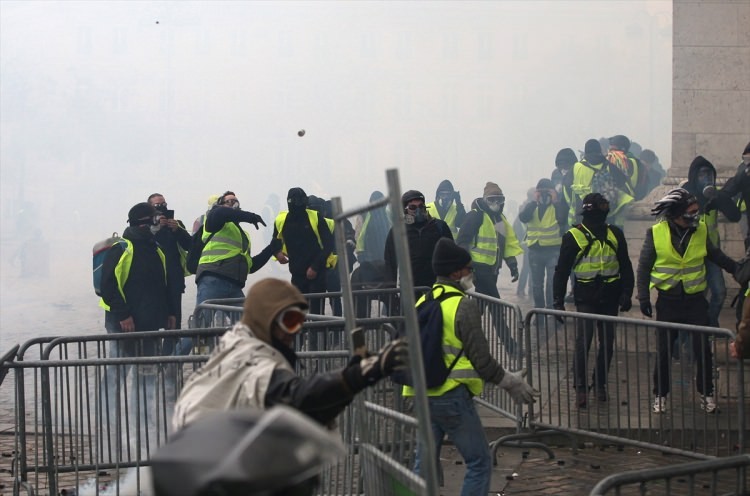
[
  {"x": 291, "y": 319},
  {"x": 416, "y": 207},
  {"x": 496, "y": 199},
  {"x": 160, "y": 206},
  {"x": 601, "y": 205},
  {"x": 231, "y": 202}
]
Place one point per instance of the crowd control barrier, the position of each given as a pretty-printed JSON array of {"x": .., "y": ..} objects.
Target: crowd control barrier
[
  {"x": 725, "y": 476},
  {"x": 625, "y": 414}
]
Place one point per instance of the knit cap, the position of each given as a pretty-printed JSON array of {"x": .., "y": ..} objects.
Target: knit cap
[
  {"x": 492, "y": 189},
  {"x": 448, "y": 257}
]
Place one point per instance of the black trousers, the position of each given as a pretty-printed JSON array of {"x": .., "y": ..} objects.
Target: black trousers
[
  {"x": 690, "y": 310},
  {"x": 485, "y": 282},
  {"x": 605, "y": 337}
]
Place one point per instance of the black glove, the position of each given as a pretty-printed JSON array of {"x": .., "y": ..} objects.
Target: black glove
[
  {"x": 457, "y": 197},
  {"x": 559, "y": 305},
  {"x": 255, "y": 219},
  {"x": 646, "y": 308},
  {"x": 625, "y": 303},
  {"x": 514, "y": 274},
  {"x": 391, "y": 357}
]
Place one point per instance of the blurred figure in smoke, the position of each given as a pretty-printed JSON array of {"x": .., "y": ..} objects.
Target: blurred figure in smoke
[{"x": 654, "y": 169}]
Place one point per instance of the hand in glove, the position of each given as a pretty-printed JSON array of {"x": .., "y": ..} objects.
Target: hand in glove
[
  {"x": 255, "y": 219},
  {"x": 514, "y": 274},
  {"x": 457, "y": 197},
  {"x": 646, "y": 308},
  {"x": 520, "y": 390},
  {"x": 625, "y": 303},
  {"x": 391, "y": 357}
]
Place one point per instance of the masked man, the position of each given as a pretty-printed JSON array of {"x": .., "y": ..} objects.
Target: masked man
[{"x": 447, "y": 206}]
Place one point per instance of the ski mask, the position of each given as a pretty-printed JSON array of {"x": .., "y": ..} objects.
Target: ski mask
[
  {"x": 593, "y": 152},
  {"x": 594, "y": 209},
  {"x": 296, "y": 199}
]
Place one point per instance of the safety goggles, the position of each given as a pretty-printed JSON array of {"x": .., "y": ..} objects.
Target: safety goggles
[
  {"x": 601, "y": 205},
  {"x": 291, "y": 319},
  {"x": 160, "y": 206},
  {"x": 416, "y": 207},
  {"x": 231, "y": 202},
  {"x": 498, "y": 200}
]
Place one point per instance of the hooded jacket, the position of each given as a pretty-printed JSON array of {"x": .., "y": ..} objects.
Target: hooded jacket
[
  {"x": 722, "y": 202},
  {"x": 507, "y": 244},
  {"x": 250, "y": 369},
  {"x": 443, "y": 212},
  {"x": 421, "y": 239}
]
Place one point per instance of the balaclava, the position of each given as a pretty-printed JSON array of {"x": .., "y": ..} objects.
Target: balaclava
[
  {"x": 296, "y": 200},
  {"x": 594, "y": 209},
  {"x": 593, "y": 152}
]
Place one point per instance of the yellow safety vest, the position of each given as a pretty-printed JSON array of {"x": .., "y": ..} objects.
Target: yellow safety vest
[
  {"x": 463, "y": 371},
  {"x": 582, "y": 177},
  {"x": 544, "y": 231},
  {"x": 226, "y": 243},
  {"x": 312, "y": 216},
  {"x": 361, "y": 238},
  {"x": 122, "y": 269},
  {"x": 450, "y": 216},
  {"x": 601, "y": 259},
  {"x": 670, "y": 268},
  {"x": 485, "y": 247}
]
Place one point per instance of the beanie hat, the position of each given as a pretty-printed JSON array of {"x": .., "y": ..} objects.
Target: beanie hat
[
  {"x": 620, "y": 142},
  {"x": 410, "y": 195},
  {"x": 648, "y": 156},
  {"x": 265, "y": 300},
  {"x": 591, "y": 202},
  {"x": 565, "y": 158},
  {"x": 140, "y": 211},
  {"x": 448, "y": 257},
  {"x": 492, "y": 189},
  {"x": 592, "y": 146},
  {"x": 545, "y": 183},
  {"x": 296, "y": 197}
]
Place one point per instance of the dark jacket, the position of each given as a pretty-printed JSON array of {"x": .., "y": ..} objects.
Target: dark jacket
[
  {"x": 593, "y": 293},
  {"x": 146, "y": 291},
  {"x": 680, "y": 239},
  {"x": 235, "y": 269},
  {"x": 302, "y": 243},
  {"x": 470, "y": 229},
  {"x": 446, "y": 185},
  {"x": 722, "y": 202},
  {"x": 170, "y": 243},
  {"x": 421, "y": 239},
  {"x": 739, "y": 185}
]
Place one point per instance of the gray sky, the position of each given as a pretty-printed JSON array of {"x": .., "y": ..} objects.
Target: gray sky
[{"x": 102, "y": 103}]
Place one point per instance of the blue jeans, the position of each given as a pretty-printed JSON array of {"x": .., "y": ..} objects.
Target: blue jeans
[
  {"x": 718, "y": 289},
  {"x": 454, "y": 414},
  {"x": 210, "y": 287}
]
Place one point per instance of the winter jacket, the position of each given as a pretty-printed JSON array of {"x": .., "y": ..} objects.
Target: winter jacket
[
  {"x": 421, "y": 239},
  {"x": 507, "y": 242}
]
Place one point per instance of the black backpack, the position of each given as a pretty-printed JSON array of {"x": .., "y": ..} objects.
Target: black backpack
[
  {"x": 430, "y": 318},
  {"x": 196, "y": 248}
]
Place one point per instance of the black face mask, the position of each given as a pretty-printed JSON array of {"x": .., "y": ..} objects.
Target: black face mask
[
  {"x": 596, "y": 217},
  {"x": 594, "y": 158}
]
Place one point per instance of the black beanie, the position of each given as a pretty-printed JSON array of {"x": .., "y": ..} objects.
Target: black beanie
[
  {"x": 140, "y": 211},
  {"x": 296, "y": 197},
  {"x": 620, "y": 142},
  {"x": 448, "y": 257},
  {"x": 592, "y": 146},
  {"x": 545, "y": 183},
  {"x": 565, "y": 158},
  {"x": 410, "y": 195}
]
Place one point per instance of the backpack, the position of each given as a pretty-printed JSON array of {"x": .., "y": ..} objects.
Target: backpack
[
  {"x": 430, "y": 318},
  {"x": 604, "y": 183},
  {"x": 196, "y": 248},
  {"x": 640, "y": 190},
  {"x": 99, "y": 254}
]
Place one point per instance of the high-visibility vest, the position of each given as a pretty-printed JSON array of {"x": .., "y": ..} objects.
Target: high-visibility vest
[
  {"x": 361, "y": 238},
  {"x": 312, "y": 216},
  {"x": 601, "y": 259},
  {"x": 224, "y": 244},
  {"x": 485, "y": 248},
  {"x": 582, "y": 177},
  {"x": 671, "y": 268},
  {"x": 450, "y": 215},
  {"x": 122, "y": 269},
  {"x": 463, "y": 371},
  {"x": 544, "y": 231}
]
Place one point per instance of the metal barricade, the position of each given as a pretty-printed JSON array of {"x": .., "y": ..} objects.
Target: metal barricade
[
  {"x": 718, "y": 476},
  {"x": 620, "y": 397}
]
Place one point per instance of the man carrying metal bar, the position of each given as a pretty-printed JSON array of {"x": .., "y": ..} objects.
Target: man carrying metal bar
[
  {"x": 467, "y": 355},
  {"x": 673, "y": 260},
  {"x": 597, "y": 254},
  {"x": 253, "y": 365}
]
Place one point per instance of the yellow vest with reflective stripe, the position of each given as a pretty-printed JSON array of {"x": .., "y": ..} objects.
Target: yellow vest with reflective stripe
[
  {"x": 601, "y": 259},
  {"x": 463, "y": 371},
  {"x": 122, "y": 269},
  {"x": 670, "y": 268},
  {"x": 712, "y": 225},
  {"x": 582, "y": 177},
  {"x": 485, "y": 247},
  {"x": 450, "y": 216},
  {"x": 226, "y": 243},
  {"x": 544, "y": 231},
  {"x": 361, "y": 238},
  {"x": 312, "y": 216}
]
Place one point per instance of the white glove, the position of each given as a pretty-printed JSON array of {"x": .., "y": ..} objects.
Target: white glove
[{"x": 519, "y": 390}]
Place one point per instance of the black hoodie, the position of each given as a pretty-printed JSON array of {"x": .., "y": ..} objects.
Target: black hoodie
[{"x": 722, "y": 202}]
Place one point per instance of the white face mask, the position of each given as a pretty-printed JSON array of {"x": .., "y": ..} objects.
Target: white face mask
[
  {"x": 467, "y": 282},
  {"x": 495, "y": 207},
  {"x": 155, "y": 229}
]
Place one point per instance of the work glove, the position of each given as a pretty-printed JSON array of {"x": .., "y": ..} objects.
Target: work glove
[
  {"x": 625, "y": 303},
  {"x": 559, "y": 305},
  {"x": 518, "y": 389},
  {"x": 646, "y": 308},
  {"x": 255, "y": 219},
  {"x": 391, "y": 357},
  {"x": 514, "y": 274}
]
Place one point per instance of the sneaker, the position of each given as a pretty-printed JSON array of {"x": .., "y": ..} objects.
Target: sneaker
[
  {"x": 582, "y": 400},
  {"x": 708, "y": 404},
  {"x": 660, "y": 404}
]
